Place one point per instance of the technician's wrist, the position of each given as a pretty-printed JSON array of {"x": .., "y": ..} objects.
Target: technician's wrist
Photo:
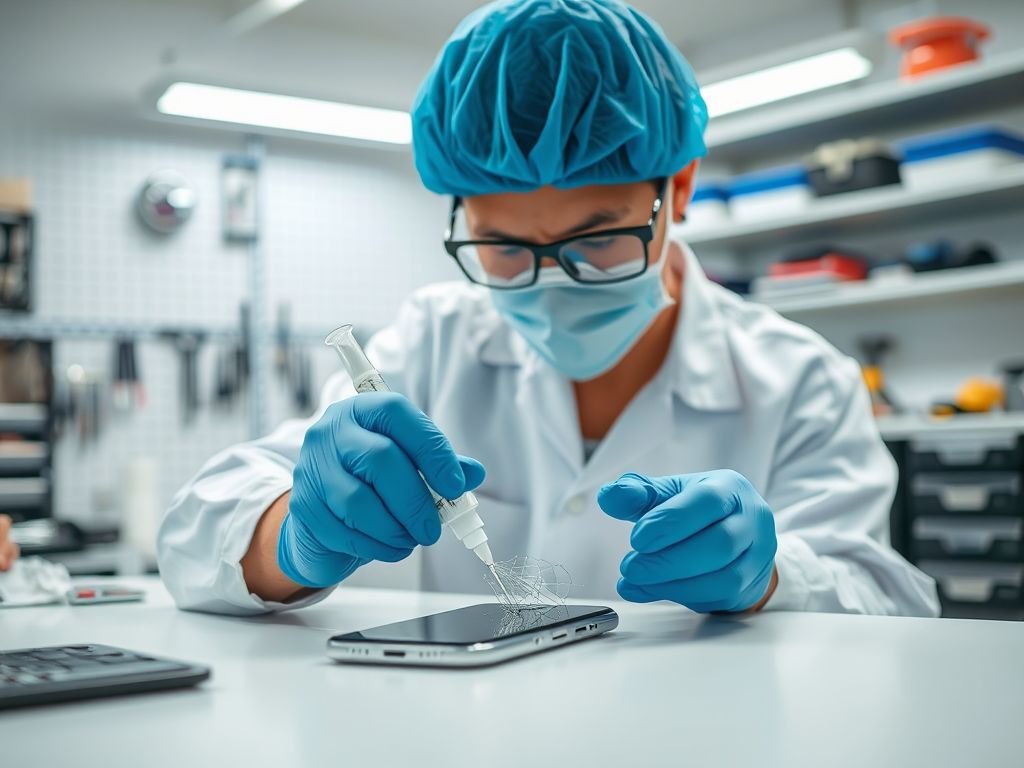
[
  {"x": 260, "y": 570},
  {"x": 772, "y": 584}
]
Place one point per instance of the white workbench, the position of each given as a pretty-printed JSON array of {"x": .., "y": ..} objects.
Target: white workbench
[{"x": 666, "y": 688}]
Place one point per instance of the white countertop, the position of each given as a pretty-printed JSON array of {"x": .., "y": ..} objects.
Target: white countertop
[{"x": 666, "y": 688}]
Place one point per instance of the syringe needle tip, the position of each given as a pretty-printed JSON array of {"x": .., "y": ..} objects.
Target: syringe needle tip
[{"x": 498, "y": 579}]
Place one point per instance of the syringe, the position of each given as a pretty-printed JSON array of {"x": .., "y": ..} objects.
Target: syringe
[{"x": 458, "y": 514}]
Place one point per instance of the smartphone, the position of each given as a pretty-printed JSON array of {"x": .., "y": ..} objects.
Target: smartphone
[
  {"x": 84, "y": 595},
  {"x": 474, "y": 636}
]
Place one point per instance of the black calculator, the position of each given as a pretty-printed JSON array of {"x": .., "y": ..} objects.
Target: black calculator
[{"x": 32, "y": 676}]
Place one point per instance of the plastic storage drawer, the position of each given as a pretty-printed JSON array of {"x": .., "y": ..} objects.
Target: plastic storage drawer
[
  {"x": 965, "y": 453},
  {"x": 995, "y": 585},
  {"x": 18, "y": 493},
  {"x": 989, "y": 493},
  {"x": 994, "y": 538},
  {"x": 20, "y": 457},
  {"x": 23, "y": 418}
]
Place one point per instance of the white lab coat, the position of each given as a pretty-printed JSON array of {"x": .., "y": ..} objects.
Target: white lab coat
[{"x": 741, "y": 388}]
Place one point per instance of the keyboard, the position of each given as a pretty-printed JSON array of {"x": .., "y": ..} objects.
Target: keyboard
[{"x": 32, "y": 676}]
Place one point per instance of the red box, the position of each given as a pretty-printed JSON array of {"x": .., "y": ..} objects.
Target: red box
[{"x": 843, "y": 267}]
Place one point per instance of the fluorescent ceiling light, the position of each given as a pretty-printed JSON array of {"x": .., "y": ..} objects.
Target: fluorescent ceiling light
[
  {"x": 792, "y": 79},
  {"x": 289, "y": 113},
  {"x": 258, "y": 14}
]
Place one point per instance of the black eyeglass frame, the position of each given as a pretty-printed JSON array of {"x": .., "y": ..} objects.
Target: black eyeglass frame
[{"x": 644, "y": 232}]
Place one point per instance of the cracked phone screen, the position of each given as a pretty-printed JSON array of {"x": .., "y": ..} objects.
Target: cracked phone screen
[{"x": 534, "y": 591}]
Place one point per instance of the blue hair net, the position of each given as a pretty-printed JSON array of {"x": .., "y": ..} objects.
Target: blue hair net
[{"x": 528, "y": 93}]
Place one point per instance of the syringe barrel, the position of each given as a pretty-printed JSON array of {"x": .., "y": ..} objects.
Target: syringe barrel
[{"x": 458, "y": 514}]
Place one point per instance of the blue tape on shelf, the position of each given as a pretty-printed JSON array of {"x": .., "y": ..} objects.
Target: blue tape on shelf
[
  {"x": 958, "y": 141},
  {"x": 768, "y": 180},
  {"x": 710, "y": 192}
]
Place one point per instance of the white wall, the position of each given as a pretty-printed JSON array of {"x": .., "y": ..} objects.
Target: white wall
[{"x": 347, "y": 234}]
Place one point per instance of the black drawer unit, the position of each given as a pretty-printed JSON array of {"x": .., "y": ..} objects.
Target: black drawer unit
[
  {"x": 958, "y": 493},
  {"x": 26, "y": 428},
  {"x": 958, "y": 515},
  {"x": 977, "y": 585},
  {"x": 986, "y": 538},
  {"x": 965, "y": 453}
]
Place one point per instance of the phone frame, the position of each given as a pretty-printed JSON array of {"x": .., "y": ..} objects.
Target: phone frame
[{"x": 429, "y": 654}]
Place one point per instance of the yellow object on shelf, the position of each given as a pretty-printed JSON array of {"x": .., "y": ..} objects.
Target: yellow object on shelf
[
  {"x": 978, "y": 395},
  {"x": 16, "y": 195}
]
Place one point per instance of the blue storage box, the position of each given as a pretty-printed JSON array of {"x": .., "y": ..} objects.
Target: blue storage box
[
  {"x": 951, "y": 157},
  {"x": 709, "y": 205},
  {"x": 773, "y": 192}
]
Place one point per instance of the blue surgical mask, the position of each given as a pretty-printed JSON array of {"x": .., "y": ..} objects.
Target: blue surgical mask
[{"x": 583, "y": 330}]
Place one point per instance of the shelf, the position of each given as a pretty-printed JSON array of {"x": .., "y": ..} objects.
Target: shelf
[
  {"x": 995, "y": 278},
  {"x": 881, "y": 207},
  {"x": 990, "y": 277},
  {"x": 861, "y": 111},
  {"x": 911, "y": 426},
  {"x": 30, "y": 327}
]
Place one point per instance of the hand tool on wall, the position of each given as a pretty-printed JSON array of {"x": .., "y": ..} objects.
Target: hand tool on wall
[
  {"x": 187, "y": 343},
  {"x": 128, "y": 390}
]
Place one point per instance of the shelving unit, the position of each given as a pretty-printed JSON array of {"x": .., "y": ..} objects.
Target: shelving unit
[
  {"x": 945, "y": 325},
  {"x": 913, "y": 426},
  {"x": 858, "y": 111},
  {"x": 995, "y": 279},
  {"x": 879, "y": 208}
]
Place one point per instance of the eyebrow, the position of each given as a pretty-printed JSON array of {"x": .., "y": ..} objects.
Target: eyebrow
[{"x": 596, "y": 219}]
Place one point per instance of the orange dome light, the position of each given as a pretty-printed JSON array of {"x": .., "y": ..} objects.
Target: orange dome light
[{"x": 936, "y": 43}]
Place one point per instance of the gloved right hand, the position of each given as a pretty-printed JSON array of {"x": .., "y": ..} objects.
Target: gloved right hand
[{"x": 356, "y": 495}]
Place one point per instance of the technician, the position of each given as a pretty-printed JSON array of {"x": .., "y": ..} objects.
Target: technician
[{"x": 655, "y": 434}]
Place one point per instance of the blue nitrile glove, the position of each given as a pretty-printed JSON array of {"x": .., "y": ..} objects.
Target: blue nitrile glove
[
  {"x": 706, "y": 541},
  {"x": 356, "y": 496}
]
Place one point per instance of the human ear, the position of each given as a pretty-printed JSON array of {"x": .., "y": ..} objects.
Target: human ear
[{"x": 682, "y": 183}]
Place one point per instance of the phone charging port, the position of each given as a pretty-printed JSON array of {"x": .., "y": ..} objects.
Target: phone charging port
[
  {"x": 396, "y": 654},
  {"x": 580, "y": 629}
]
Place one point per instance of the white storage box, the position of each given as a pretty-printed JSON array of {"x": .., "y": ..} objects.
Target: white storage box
[
  {"x": 769, "y": 194},
  {"x": 953, "y": 157},
  {"x": 709, "y": 207}
]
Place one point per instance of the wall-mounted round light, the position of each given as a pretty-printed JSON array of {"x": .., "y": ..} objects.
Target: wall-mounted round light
[{"x": 166, "y": 201}]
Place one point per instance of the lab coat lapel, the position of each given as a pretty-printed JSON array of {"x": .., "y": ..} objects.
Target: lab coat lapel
[
  {"x": 544, "y": 397},
  {"x": 547, "y": 407},
  {"x": 702, "y": 366},
  {"x": 546, "y": 410},
  {"x": 646, "y": 424}
]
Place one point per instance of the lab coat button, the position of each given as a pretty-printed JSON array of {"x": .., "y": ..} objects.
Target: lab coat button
[{"x": 577, "y": 505}]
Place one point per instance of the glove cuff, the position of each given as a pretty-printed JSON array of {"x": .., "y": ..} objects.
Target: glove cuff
[{"x": 292, "y": 544}]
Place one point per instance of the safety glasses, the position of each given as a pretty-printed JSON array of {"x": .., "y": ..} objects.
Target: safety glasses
[{"x": 605, "y": 256}]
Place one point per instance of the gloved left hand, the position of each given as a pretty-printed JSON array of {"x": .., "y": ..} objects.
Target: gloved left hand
[{"x": 706, "y": 540}]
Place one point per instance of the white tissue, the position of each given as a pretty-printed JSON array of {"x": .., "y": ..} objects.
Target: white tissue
[{"x": 33, "y": 581}]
